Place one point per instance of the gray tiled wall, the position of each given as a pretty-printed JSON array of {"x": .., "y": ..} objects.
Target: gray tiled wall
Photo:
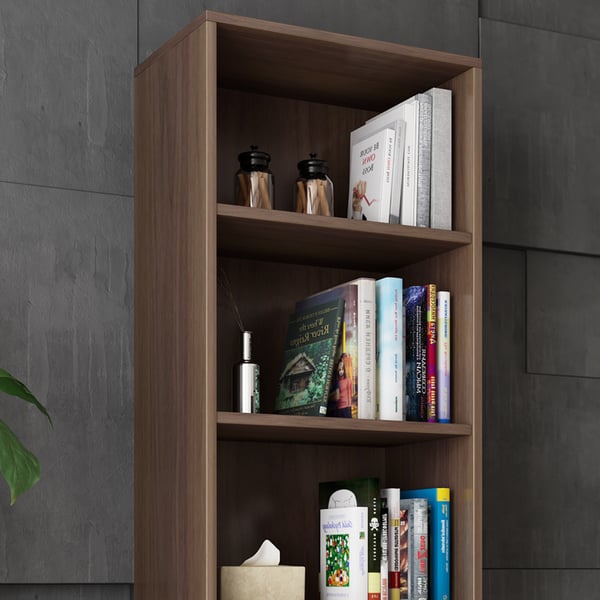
[{"x": 66, "y": 274}]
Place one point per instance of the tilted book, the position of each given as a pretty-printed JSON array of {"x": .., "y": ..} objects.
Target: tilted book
[
  {"x": 416, "y": 356},
  {"x": 360, "y": 336},
  {"x": 371, "y": 168},
  {"x": 308, "y": 359},
  {"x": 363, "y": 491},
  {"x": 441, "y": 158},
  {"x": 390, "y": 351},
  {"x": 346, "y": 374},
  {"x": 438, "y": 501},
  {"x": 418, "y": 547},
  {"x": 343, "y": 553},
  {"x": 443, "y": 356}
]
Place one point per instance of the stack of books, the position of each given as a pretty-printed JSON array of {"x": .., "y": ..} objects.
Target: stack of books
[{"x": 401, "y": 164}]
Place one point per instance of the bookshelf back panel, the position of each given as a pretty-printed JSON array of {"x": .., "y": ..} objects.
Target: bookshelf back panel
[
  {"x": 289, "y": 130},
  {"x": 270, "y": 491},
  {"x": 266, "y": 294}
]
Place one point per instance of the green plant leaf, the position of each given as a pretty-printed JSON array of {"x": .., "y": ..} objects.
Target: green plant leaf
[
  {"x": 19, "y": 467},
  {"x": 12, "y": 386}
]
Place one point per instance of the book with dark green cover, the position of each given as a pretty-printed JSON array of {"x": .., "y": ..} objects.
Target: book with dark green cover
[
  {"x": 362, "y": 491},
  {"x": 308, "y": 359}
]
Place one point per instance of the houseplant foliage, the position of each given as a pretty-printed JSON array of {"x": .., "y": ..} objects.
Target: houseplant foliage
[{"x": 18, "y": 466}]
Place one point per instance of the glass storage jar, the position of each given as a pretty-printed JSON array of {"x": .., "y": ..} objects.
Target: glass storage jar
[
  {"x": 314, "y": 189},
  {"x": 254, "y": 182}
]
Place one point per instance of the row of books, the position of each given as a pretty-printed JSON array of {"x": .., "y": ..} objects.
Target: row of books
[
  {"x": 369, "y": 349},
  {"x": 383, "y": 543},
  {"x": 401, "y": 163}
]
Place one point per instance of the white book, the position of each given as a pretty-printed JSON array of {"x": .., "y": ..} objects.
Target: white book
[
  {"x": 406, "y": 111},
  {"x": 441, "y": 158},
  {"x": 371, "y": 169},
  {"x": 443, "y": 356},
  {"x": 390, "y": 351},
  {"x": 367, "y": 344},
  {"x": 343, "y": 551},
  {"x": 399, "y": 126}
]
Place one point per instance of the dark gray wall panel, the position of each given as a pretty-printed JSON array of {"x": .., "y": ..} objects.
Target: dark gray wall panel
[
  {"x": 540, "y": 150},
  {"x": 66, "y": 71},
  {"x": 66, "y": 267},
  {"x": 580, "y": 584},
  {"x": 576, "y": 17},
  {"x": 563, "y": 314},
  {"x": 541, "y": 440},
  {"x": 66, "y": 592},
  {"x": 449, "y": 26}
]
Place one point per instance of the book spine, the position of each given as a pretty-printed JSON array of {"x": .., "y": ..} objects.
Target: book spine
[
  {"x": 384, "y": 571},
  {"x": 418, "y": 545},
  {"x": 396, "y": 196},
  {"x": 392, "y": 500},
  {"x": 441, "y": 158},
  {"x": 404, "y": 554},
  {"x": 390, "y": 364},
  {"x": 408, "y": 208},
  {"x": 416, "y": 363},
  {"x": 424, "y": 160},
  {"x": 443, "y": 356},
  {"x": 431, "y": 352},
  {"x": 438, "y": 500},
  {"x": 367, "y": 376}
]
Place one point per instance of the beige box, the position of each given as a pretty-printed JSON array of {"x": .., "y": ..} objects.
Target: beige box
[{"x": 266, "y": 583}]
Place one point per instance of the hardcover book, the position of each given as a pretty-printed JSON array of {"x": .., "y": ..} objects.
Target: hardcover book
[
  {"x": 443, "y": 356},
  {"x": 343, "y": 553},
  {"x": 390, "y": 351},
  {"x": 399, "y": 126},
  {"x": 424, "y": 160},
  {"x": 360, "y": 335},
  {"x": 418, "y": 547},
  {"x": 438, "y": 502},
  {"x": 362, "y": 491},
  {"x": 407, "y": 111},
  {"x": 371, "y": 166},
  {"x": 441, "y": 158},
  {"x": 343, "y": 394},
  {"x": 308, "y": 359},
  {"x": 416, "y": 357}
]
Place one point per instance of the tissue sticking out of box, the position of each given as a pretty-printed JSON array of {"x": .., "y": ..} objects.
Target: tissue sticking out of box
[{"x": 266, "y": 556}]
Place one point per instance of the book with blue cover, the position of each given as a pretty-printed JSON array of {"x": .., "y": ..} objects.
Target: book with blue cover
[
  {"x": 438, "y": 501},
  {"x": 416, "y": 353}
]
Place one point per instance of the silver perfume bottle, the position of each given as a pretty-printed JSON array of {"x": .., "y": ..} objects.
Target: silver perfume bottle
[{"x": 246, "y": 375}]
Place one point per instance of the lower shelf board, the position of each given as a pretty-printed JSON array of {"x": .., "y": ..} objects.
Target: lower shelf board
[{"x": 328, "y": 430}]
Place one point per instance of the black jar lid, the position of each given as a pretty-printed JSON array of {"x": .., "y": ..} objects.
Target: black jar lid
[
  {"x": 254, "y": 159},
  {"x": 312, "y": 166}
]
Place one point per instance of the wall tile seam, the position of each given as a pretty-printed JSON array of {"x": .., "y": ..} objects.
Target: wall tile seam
[
  {"x": 66, "y": 189},
  {"x": 525, "y": 249},
  {"x": 525, "y": 26}
]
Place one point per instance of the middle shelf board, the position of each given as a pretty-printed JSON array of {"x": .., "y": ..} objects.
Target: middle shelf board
[
  {"x": 328, "y": 241},
  {"x": 331, "y": 431}
]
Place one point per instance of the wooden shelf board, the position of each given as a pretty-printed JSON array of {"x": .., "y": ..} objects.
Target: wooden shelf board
[
  {"x": 328, "y": 241},
  {"x": 331, "y": 431}
]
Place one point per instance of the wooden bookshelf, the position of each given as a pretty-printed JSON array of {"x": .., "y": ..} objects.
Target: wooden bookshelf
[{"x": 211, "y": 484}]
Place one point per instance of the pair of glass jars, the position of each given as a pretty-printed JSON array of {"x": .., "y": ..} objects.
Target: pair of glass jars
[{"x": 255, "y": 184}]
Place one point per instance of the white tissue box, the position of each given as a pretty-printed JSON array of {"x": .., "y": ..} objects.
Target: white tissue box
[{"x": 267, "y": 583}]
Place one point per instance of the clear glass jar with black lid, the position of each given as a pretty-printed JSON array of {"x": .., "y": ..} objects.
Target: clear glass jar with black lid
[
  {"x": 314, "y": 189},
  {"x": 254, "y": 182}
]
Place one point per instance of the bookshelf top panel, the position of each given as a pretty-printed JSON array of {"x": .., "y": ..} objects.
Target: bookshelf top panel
[{"x": 309, "y": 64}]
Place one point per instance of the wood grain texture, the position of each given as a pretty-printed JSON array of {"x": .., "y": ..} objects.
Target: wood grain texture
[
  {"x": 175, "y": 334},
  {"x": 267, "y": 464}
]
